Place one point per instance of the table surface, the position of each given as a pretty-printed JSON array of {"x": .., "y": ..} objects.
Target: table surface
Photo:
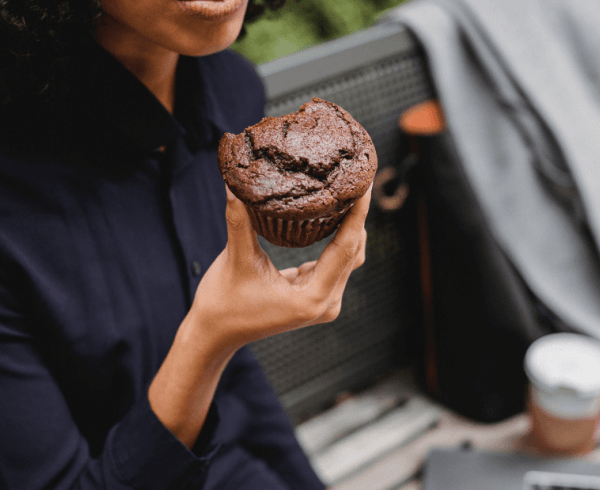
[{"x": 398, "y": 468}]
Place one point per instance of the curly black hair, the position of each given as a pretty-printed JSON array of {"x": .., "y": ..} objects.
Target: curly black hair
[{"x": 39, "y": 39}]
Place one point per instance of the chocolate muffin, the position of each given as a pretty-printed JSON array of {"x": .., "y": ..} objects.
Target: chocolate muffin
[{"x": 300, "y": 173}]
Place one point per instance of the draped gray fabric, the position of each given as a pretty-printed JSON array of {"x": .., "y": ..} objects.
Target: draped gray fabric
[{"x": 519, "y": 81}]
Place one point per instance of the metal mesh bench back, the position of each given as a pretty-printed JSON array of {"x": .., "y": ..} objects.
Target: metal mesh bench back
[{"x": 375, "y": 75}]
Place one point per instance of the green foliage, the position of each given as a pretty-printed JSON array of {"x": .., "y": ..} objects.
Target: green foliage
[{"x": 304, "y": 23}]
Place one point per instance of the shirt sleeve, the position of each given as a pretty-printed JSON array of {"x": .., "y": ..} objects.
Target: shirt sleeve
[
  {"x": 269, "y": 435},
  {"x": 42, "y": 448}
]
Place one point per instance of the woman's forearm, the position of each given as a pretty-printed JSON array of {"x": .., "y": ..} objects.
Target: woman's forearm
[
  {"x": 242, "y": 298},
  {"x": 182, "y": 391}
]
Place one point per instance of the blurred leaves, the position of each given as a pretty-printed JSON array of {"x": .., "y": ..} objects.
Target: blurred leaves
[{"x": 303, "y": 23}]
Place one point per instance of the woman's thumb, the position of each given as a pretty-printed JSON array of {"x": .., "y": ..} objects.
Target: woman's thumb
[{"x": 241, "y": 237}]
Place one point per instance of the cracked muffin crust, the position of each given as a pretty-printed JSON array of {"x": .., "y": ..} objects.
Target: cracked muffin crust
[{"x": 298, "y": 174}]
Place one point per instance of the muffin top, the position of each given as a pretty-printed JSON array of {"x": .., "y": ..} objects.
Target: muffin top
[{"x": 304, "y": 165}]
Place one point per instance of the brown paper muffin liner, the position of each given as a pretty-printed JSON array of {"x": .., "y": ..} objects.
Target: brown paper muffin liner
[{"x": 294, "y": 234}]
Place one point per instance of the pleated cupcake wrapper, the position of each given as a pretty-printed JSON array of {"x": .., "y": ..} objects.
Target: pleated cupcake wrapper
[{"x": 290, "y": 233}]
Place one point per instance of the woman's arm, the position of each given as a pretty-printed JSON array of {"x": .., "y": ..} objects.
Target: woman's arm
[
  {"x": 42, "y": 446},
  {"x": 243, "y": 298}
]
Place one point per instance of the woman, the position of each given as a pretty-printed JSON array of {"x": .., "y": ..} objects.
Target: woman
[{"x": 130, "y": 278}]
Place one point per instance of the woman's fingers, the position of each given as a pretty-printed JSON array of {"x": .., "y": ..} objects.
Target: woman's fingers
[
  {"x": 361, "y": 255},
  {"x": 348, "y": 242},
  {"x": 308, "y": 294},
  {"x": 324, "y": 286},
  {"x": 241, "y": 237},
  {"x": 335, "y": 303},
  {"x": 292, "y": 273}
]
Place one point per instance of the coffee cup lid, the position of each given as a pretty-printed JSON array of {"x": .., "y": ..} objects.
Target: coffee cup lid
[{"x": 565, "y": 361}]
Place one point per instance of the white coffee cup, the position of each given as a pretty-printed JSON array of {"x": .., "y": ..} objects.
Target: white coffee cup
[{"x": 564, "y": 374}]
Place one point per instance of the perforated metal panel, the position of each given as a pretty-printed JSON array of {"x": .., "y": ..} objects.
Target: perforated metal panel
[{"x": 383, "y": 74}]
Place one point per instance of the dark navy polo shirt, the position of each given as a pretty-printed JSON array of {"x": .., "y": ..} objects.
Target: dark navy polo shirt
[{"x": 103, "y": 241}]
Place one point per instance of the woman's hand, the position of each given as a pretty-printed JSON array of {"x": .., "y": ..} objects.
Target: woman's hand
[{"x": 242, "y": 298}]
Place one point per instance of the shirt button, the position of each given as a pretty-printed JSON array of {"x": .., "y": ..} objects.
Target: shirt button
[{"x": 196, "y": 268}]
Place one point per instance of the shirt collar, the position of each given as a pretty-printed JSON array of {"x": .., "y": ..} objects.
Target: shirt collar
[{"x": 122, "y": 110}]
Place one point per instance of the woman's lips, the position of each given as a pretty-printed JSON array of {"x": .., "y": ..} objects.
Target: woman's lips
[{"x": 211, "y": 9}]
